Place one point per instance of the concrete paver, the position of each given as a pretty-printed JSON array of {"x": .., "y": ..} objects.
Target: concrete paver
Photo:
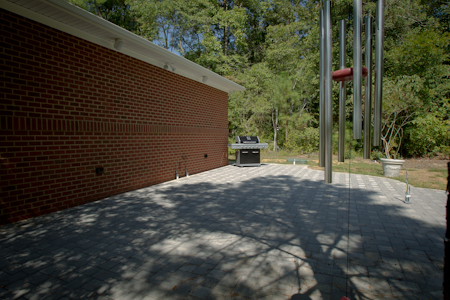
[{"x": 273, "y": 232}]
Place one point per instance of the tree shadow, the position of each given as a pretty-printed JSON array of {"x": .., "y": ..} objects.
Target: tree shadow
[{"x": 230, "y": 233}]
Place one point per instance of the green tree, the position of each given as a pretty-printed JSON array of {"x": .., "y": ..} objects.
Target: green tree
[
  {"x": 115, "y": 11},
  {"x": 402, "y": 104},
  {"x": 283, "y": 100},
  {"x": 249, "y": 111},
  {"x": 428, "y": 135},
  {"x": 270, "y": 45}
]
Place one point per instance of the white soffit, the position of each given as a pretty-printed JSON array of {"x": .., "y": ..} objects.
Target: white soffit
[{"x": 76, "y": 21}]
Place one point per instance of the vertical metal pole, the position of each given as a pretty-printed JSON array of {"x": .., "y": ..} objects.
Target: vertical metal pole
[
  {"x": 357, "y": 69},
  {"x": 342, "y": 90},
  {"x": 379, "y": 40},
  {"x": 446, "y": 283},
  {"x": 321, "y": 94},
  {"x": 368, "y": 90},
  {"x": 328, "y": 88}
]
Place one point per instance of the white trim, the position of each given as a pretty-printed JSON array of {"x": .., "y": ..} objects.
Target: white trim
[{"x": 184, "y": 67}]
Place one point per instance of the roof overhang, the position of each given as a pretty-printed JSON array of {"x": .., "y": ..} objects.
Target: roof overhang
[{"x": 76, "y": 21}]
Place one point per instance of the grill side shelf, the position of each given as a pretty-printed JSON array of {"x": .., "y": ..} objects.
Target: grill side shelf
[{"x": 249, "y": 146}]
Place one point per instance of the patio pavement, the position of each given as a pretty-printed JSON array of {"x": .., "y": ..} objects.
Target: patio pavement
[{"x": 273, "y": 232}]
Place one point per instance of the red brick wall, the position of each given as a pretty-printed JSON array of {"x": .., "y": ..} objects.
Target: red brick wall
[{"x": 68, "y": 106}]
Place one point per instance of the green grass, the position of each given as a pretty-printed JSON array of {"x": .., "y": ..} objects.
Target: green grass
[
  {"x": 442, "y": 172},
  {"x": 424, "y": 178},
  {"x": 356, "y": 167}
]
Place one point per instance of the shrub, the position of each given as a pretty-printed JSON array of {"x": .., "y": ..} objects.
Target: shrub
[
  {"x": 377, "y": 154},
  {"x": 427, "y": 136}
]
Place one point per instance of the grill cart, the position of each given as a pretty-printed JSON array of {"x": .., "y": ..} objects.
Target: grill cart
[{"x": 248, "y": 151}]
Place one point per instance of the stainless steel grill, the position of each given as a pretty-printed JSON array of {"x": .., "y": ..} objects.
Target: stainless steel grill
[{"x": 248, "y": 151}]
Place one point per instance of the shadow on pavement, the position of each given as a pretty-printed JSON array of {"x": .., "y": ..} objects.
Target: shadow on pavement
[{"x": 212, "y": 236}]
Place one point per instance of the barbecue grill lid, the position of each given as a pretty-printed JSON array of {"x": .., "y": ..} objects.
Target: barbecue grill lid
[{"x": 247, "y": 140}]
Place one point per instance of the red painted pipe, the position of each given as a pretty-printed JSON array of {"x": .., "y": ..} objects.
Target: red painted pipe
[{"x": 346, "y": 74}]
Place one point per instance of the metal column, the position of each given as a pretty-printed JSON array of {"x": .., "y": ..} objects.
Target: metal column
[
  {"x": 357, "y": 69},
  {"x": 368, "y": 90},
  {"x": 321, "y": 94},
  {"x": 379, "y": 40},
  {"x": 328, "y": 86},
  {"x": 342, "y": 90}
]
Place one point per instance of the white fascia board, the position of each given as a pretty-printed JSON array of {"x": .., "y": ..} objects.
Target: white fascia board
[{"x": 188, "y": 69}]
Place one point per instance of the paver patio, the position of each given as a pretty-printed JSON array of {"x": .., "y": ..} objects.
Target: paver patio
[{"x": 273, "y": 232}]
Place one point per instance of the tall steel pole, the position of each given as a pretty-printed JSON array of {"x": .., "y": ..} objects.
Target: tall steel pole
[
  {"x": 328, "y": 86},
  {"x": 368, "y": 90},
  {"x": 321, "y": 94},
  {"x": 342, "y": 90},
  {"x": 446, "y": 282},
  {"x": 379, "y": 40},
  {"x": 357, "y": 69}
]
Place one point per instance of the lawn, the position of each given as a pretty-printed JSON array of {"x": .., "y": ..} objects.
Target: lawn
[{"x": 423, "y": 173}]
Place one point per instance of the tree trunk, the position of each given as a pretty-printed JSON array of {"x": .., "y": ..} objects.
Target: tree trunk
[
  {"x": 286, "y": 136},
  {"x": 275, "y": 127},
  {"x": 225, "y": 34},
  {"x": 166, "y": 37},
  {"x": 225, "y": 50},
  {"x": 386, "y": 148},
  {"x": 97, "y": 9}
]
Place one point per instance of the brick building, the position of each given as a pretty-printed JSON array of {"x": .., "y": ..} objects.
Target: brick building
[{"x": 78, "y": 94}]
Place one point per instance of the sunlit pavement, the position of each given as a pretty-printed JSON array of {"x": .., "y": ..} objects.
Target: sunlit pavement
[{"x": 273, "y": 232}]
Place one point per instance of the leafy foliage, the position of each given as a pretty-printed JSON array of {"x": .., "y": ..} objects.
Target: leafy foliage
[
  {"x": 115, "y": 11},
  {"x": 428, "y": 135},
  {"x": 402, "y": 103}
]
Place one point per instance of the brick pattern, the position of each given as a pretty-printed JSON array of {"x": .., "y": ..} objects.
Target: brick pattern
[{"x": 68, "y": 106}]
